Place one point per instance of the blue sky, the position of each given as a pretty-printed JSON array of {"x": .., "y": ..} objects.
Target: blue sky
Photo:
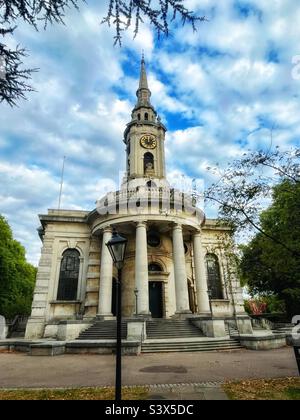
[{"x": 218, "y": 91}]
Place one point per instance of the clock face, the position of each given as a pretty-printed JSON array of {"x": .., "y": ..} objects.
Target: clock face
[{"x": 149, "y": 142}]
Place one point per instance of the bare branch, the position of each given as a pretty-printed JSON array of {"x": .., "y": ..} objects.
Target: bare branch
[
  {"x": 246, "y": 184},
  {"x": 122, "y": 13}
]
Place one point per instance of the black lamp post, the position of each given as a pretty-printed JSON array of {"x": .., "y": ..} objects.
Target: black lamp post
[
  {"x": 136, "y": 292},
  {"x": 117, "y": 248},
  {"x": 209, "y": 292}
]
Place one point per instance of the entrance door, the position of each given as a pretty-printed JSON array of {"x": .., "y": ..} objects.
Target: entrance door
[{"x": 156, "y": 299}]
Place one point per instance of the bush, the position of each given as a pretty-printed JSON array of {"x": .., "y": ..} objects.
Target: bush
[
  {"x": 17, "y": 276},
  {"x": 264, "y": 305}
]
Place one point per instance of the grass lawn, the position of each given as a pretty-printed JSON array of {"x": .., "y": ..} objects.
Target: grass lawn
[
  {"x": 264, "y": 389},
  {"x": 255, "y": 389},
  {"x": 73, "y": 394}
]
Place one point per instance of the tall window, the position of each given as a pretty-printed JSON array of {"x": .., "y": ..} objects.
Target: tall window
[
  {"x": 69, "y": 275},
  {"x": 146, "y": 116},
  {"x": 214, "y": 277},
  {"x": 148, "y": 162}
]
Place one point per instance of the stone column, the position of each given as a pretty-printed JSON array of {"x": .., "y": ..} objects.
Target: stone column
[
  {"x": 181, "y": 285},
  {"x": 141, "y": 269},
  {"x": 106, "y": 273},
  {"x": 200, "y": 275}
]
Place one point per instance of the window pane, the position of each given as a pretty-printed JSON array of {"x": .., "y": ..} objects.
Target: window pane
[
  {"x": 213, "y": 276},
  {"x": 69, "y": 273},
  {"x": 148, "y": 161}
]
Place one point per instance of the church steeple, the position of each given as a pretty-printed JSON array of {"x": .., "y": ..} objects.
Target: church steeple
[
  {"x": 143, "y": 93},
  {"x": 143, "y": 76},
  {"x": 144, "y": 138}
]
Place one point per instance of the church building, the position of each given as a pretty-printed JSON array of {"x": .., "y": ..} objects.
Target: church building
[{"x": 178, "y": 263}]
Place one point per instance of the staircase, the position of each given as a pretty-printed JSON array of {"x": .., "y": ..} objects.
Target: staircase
[
  {"x": 284, "y": 328},
  {"x": 204, "y": 344},
  {"x": 103, "y": 330},
  {"x": 165, "y": 336},
  {"x": 164, "y": 329},
  {"x": 231, "y": 331}
]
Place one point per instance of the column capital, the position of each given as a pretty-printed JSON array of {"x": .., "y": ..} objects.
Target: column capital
[
  {"x": 142, "y": 223},
  {"x": 177, "y": 226},
  {"x": 108, "y": 229},
  {"x": 197, "y": 233}
]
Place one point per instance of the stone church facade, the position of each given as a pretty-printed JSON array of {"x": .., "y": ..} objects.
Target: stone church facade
[{"x": 176, "y": 264}]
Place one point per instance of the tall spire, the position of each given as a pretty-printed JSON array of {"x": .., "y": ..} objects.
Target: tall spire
[
  {"x": 143, "y": 93},
  {"x": 143, "y": 76}
]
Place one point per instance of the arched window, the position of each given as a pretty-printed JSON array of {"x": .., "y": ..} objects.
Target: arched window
[
  {"x": 214, "y": 283},
  {"x": 139, "y": 117},
  {"x": 146, "y": 116},
  {"x": 148, "y": 162},
  {"x": 154, "y": 267},
  {"x": 69, "y": 275}
]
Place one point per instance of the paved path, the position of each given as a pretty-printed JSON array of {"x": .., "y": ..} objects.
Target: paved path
[{"x": 22, "y": 371}]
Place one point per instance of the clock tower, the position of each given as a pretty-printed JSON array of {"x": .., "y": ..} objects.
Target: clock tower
[{"x": 144, "y": 138}]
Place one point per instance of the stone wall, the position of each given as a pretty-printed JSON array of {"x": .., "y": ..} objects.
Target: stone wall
[
  {"x": 93, "y": 279},
  {"x": 62, "y": 230}
]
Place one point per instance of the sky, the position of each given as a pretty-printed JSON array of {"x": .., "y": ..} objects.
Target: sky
[{"x": 219, "y": 91}]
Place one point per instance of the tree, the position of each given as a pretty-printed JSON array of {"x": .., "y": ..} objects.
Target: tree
[
  {"x": 266, "y": 266},
  {"x": 245, "y": 187},
  {"x": 17, "y": 277},
  {"x": 122, "y": 13},
  {"x": 14, "y": 79}
]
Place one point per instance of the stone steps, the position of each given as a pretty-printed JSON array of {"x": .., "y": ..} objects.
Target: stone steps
[
  {"x": 103, "y": 330},
  {"x": 287, "y": 330},
  {"x": 191, "y": 346},
  {"x": 284, "y": 328},
  {"x": 231, "y": 332},
  {"x": 158, "y": 329},
  {"x": 279, "y": 325}
]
